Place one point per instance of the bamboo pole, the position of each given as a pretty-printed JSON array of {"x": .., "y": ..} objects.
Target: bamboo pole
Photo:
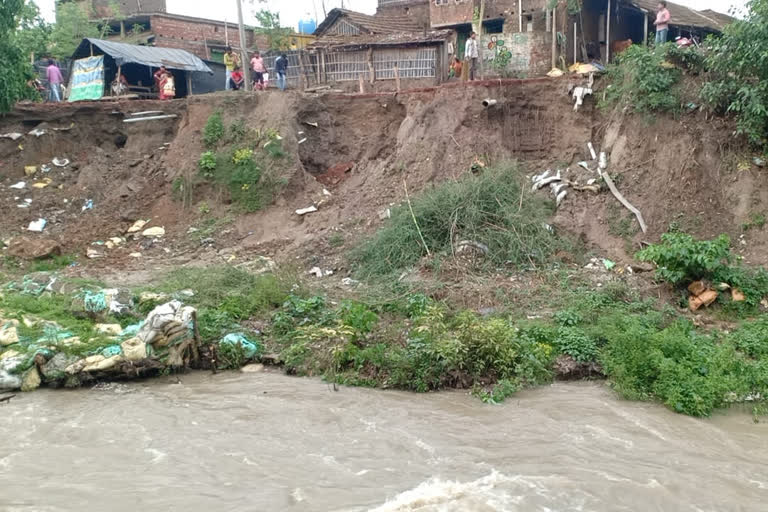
[
  {"x": 554, "y": 38},
  {"x": 608, "y": 35},
  {"x": 243, "y": 46}
]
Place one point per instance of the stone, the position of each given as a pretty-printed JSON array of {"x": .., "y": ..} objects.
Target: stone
[
  {"x": 55, "y": 368},
  {"x": 252, "y": 368},
  {"x": 155, "y": 232},
  {"x": 28, "y": 248},
  {"x": 134, "y": 349},
  {"x": 8, "y": 354},
  {"x": 697, "y": 288},
  {"x": 30, "y": 381},
  {"x": 137, "y": 226}
]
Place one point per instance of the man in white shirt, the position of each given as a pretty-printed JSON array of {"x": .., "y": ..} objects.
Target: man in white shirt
[{"x": 471, "y": 54}]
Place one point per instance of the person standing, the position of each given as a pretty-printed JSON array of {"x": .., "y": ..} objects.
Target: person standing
[
  {"x": 231, "y": 62},
  {"x": 281, "y": 67},
  {"x": 53, "y": 73},
  {"x": 662, "y": 23},
  {"x": 471, "y": 54},
  {"x": 257, "y": 65}
]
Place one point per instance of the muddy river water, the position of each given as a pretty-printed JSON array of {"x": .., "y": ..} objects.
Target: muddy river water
[{"x": 267, "y": 442}]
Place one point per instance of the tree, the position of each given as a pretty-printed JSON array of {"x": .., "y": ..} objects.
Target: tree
[
  {"x": 72, "y": 26},
  {"x": 278, "y": 37},
  {"x": 32, "y": 33},
  {"x": 17, "y": 69},
  {"x": 738, "y": 65}
]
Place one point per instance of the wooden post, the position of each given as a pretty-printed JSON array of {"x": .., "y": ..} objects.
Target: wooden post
[
  {"x": 370, "y": 65},
  {"x": 520, "y": 13},
  {"x": 302, "y": 76},
  {"x": 243, "y": 47},
  {"x": 608, "y": 35},
  {"x": 575, "y": 58},
  {"x": 397, "y": 78},
  {"x": 91, "y": 49},
  {"x": 323, "y": 73},
  {"x": 554, "y": 38},
  {"x": 480, "y": 40},
  {"x": 547, "y": 21},
  {"x": 361, "y": 83},
  {"x": 189, "y": 83},
  {"x": 122, "y": 29},
  {"x": 645, "y": 29},
  {"x": 119, "y": 72}
]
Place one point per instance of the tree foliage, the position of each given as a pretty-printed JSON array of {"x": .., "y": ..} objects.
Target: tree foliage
[
  {"x": 16, "y": 67},
  {"x": 72, "y": 26},
  {"x": 269, "y": 25},
  {"x": 738, "y": 62}
]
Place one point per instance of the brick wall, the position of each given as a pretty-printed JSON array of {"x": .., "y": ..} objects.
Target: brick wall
[
  {"x": 450, "y": 12},
  {"x": 102, "y": 8},
  {"x": 418, "y": 10},
  {"x": 530, "y": 53},
  {"x": 191, "y": 35}
]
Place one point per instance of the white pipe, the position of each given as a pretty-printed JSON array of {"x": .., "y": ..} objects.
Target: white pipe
[
  {"x": 488, "y": 102},
  {"x": 608, "y": 35},
  {"x": 137, "y": 119}
]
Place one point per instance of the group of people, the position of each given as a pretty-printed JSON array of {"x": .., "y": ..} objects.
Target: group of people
[{"x": 236, "y": 77}]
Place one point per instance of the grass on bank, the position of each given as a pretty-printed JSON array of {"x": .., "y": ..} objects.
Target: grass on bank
[{"x": 495, "y": 209}]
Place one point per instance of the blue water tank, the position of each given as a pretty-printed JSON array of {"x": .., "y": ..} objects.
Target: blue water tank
[{"x": 307, "y": 25}]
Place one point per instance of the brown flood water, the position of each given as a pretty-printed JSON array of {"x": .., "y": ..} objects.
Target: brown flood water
[{"x": 267, "y": 442}]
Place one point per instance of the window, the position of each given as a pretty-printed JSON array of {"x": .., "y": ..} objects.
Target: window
[{"x": 494, "y": 26}]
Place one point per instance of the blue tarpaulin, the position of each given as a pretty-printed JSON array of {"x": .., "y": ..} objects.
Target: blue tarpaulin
[{"x": 123, "y": 53}]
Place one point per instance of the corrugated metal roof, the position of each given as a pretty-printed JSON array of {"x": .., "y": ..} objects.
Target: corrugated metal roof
[
  {"x": 145, "y": 55},
  {"x": 372, "y": 24},
  {"x": 401, "y": 39},
  {"x": 724, "y": 19},
  {"x": 682, "y": 16}
]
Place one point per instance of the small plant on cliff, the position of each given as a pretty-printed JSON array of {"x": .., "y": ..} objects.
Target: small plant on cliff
[
  {"x": 207, "y": 164},
  {"x": 214, "y": 130},
  {"x": 680, "y": 258},
  {"x": 644, "y": 79}
]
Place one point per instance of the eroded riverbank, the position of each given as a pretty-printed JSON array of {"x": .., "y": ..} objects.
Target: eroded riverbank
[{"x": 265, "y": 441}]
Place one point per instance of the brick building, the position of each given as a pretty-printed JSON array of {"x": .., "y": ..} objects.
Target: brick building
[
  {"x": 202, "y": 37},
  {"x": 416, "y": 10}
]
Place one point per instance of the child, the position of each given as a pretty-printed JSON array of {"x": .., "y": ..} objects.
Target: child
[
  {"x": 237, "y": 79},
  {"x": 456, "y": 66}
]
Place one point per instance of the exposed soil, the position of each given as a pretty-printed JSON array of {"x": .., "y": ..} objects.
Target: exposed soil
[{"x": 364, "y": 148}]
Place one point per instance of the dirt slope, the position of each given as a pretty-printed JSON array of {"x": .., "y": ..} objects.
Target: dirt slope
[{"x": 363, "y": 148}]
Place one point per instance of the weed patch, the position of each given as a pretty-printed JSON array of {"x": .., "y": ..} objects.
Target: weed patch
[{"x": 491, "y": 209}]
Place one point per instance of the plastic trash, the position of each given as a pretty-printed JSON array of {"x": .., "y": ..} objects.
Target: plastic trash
[
  {"x": 112, "y": 350},
  {"x": 304, "y": 211},
  {"x": 29, "y": 170},
  {"x": 12, "y": 136},
  {"x": 250, "y": 348},
  {"x": 137, "y": 226},
  {"x": 88, "y": 205},
  {"x": 37, "y": 132},
  {"x": 37, "y": 226},
  {"x": 19, "y": 186},
  {"x": 60, "y": 162},
  {"x": 608, "y": 264}
]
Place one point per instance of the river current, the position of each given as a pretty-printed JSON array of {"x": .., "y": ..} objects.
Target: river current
[{"x": 268, "y": 442}]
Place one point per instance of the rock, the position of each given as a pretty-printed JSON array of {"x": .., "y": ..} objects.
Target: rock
[
  {"x": 93, "y": 253},
  {"x": 737, "y": 295},
  {"x": 8, "y": 354},
  {"x": 697, "y": 288},
  {"x": 252, "y": 368},
  {"x": 316, "y": 271},
  {"x": 155, "y": 232},
  {"x": 134, "y": 349},
  {"x": 385, "y": 214},
  {"x": 8, "y": 333},
  {"x": 9, "y": 381},
  {"x": 55, "y": 368},
  {"x": 566, "y": 368},
  {"x": 30, "y": 381},
  {"x": 137, "y": 226},
  {"x": 259, "y": 265},
  {"x": 28, "y": 248},
  {"x": 705, "y": 299}
]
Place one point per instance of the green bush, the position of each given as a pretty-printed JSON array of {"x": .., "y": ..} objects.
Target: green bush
[
  {"x": 490, "y": 209},
  {"x": 207, "y": 164},
  {"x": 576, "y": 343},
  {"x": 643, "y": 79},
  {"x": 680, "y": 258},
  {"x": 690, "y": 372},
  {"x": 214, "y": 130},
  {"x": 738, "y": 80}
]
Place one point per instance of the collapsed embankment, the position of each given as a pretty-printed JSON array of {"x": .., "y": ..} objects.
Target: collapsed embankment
[{"x": 352, "y": 158}]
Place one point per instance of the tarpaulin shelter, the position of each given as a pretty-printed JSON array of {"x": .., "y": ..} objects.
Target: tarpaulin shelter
[{"x": 138, "y": 63}]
